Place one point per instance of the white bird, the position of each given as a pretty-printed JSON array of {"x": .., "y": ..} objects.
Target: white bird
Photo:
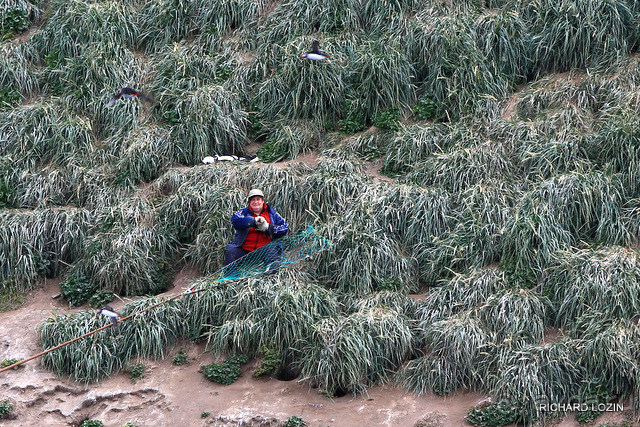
[{"x": 229, "y": 158}]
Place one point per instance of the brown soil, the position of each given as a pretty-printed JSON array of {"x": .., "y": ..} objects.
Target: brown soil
[
  {"x": 174, "y": 395},
  {"x": 171, "y": 395}
]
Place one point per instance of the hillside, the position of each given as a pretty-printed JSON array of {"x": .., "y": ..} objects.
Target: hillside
[{"x": 473, "y": 163}]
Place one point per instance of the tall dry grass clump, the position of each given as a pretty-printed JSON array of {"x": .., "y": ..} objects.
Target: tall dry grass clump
[
  {"x": 454, "y": 71},
  {"x": 41, "y": 134},
  {"x": 580, "y": 33},
  {"x": 603, "y": 280},
  {"x": 453, "y": 348},
  {"x": 348, "y": 355},
  {"x": 74, "y": 26}
]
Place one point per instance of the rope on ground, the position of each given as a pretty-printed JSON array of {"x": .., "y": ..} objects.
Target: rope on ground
[{"x": 267, "y": 259}]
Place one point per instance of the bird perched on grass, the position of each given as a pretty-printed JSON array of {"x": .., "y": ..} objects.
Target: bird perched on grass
[
  {"x": 110, "y": 312},
  {"x": 128, "y": 92},
  {"x": 315, "y": 53}
]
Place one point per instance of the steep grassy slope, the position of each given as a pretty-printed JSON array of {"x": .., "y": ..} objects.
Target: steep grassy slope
[{"x": 510, "y": 129}]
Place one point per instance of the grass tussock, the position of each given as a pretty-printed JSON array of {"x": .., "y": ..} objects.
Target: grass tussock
[
  {"x": 460, "y": 294},
  {"x": 41, "y": 134},
  {"x": 534, "y": 374},
  {"x": 143, "y": 155},
  {"x": 128, "y": 260},
  {"x": 580, "y": 33},
  {"x": 458, "y": 341},
  {"x": 99, "y": 355},
  {"x": 516, "y": 315},
  {"x": 602, "y": 280},
  {"x": 299, "y": 89},
  {"x": 15, "y": 72},
  {"x": 210, "y": 121},
  {"x": 607, "y": 350},
  {"x": 567, "y": 208},
  {"x": 273, "y": 314},
  {"x": 76, "y": 25},
  {"x": 348, "y": 355},
  {"x": 462, "y": 167},
  {"x": 364, "y": 256},
  {"x": 453, "y": 69},
  {"x": 412, "y": 145}
]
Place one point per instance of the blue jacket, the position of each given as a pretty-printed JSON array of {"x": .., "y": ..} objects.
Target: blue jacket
[{"x": 243, "y": 219}]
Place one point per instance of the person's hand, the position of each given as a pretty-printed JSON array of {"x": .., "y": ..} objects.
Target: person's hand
[{"x": 262, "y": 224}]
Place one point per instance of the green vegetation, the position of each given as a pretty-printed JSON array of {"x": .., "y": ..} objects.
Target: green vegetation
[
  {"x": 10, "y": 298},
  {"x": 508, "y": 136},
  {"x": 270, "y": 364},
  {"x": 92, "y": 423},
  {"x": 100, "y": 298},
  {"x": 426, "y": 108},
  {"x": 388, "y": 119},
  {"x": 205, "y": 414},
  {"x": 9, "y": 362},
  {"x": 13, "y": 20},
  {"x": 226, "y": 372},
  {"x": 5, "y": 408},
  {"x": 295, "y": 421},
  {"x": 136, "y": 372},
  {"x": 181, "y": 357},
  {"x": 8, "y": 98},
  {"x": 77, "y": 290},
  {"x": 494, "y": 415}
]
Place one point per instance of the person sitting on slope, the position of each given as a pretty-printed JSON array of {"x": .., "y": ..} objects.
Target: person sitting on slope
[{"x": 256, "y": 225}]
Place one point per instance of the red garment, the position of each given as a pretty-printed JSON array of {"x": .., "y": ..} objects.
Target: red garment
[{"x": 257, "y": 239}]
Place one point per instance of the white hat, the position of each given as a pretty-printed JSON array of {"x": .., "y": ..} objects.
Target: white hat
[{"x": 255, "y": 192}]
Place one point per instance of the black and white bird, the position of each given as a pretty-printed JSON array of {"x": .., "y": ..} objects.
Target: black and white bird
[
  {"x": 315, "y": 53},
  {"x": 110, "y": 312},
  {"x": 128, "y": 92},
  {"x": 229, "y": 158}
]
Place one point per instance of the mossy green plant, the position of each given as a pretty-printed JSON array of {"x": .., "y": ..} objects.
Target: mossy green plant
[
  {"x": 100, "y": 298},
  {"x": 13, "y": 21},
  {"x": 295, "y": 421},
  {"x": 9, "y": 362},
  {"x": 494, "y": 415},
  {"x": 9, "y": 98},
  {"x": 136, "y": 372},
  {"x": 181, "y": 357},
  {"x": 388, "y": 119},
  {"x": 426, "y": 108},
  {"x": 76, "y": 289},
  {"x": 271, "y": 362},
  {"x": 227, "y": 372},
  {"x": 5, "y": 408}
]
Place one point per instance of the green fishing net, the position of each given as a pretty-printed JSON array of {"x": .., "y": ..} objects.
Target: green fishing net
[{"x": 276, "y": 255}]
